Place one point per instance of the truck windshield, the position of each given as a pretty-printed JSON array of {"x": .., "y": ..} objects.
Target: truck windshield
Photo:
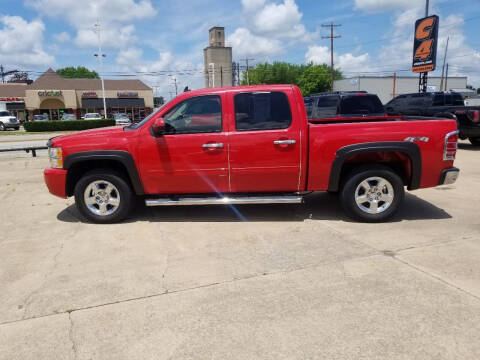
[{"x": 361, "y": 105}]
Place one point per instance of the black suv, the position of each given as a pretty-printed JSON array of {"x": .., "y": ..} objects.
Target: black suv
[
  {"x": 343, "y": 104},
  {"x": 447, "y": 104}
]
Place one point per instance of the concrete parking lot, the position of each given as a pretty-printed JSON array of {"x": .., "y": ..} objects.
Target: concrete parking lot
[{"x": 254, "y": 282}]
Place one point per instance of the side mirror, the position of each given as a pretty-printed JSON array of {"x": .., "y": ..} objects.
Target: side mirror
[{"x": 158, "y": 127}]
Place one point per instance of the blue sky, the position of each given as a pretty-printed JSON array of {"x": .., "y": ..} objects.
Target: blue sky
[{"x": 167, "y": 37}]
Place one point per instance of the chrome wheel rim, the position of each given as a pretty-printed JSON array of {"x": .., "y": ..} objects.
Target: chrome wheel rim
[
  {"x": 102, "y": 198},
  {"x": 374, "y": 195}
]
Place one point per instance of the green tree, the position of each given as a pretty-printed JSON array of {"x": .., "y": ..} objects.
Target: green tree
[
  {"x": 310, "y": 78},
  {"x": 317, "y": 78},
  {"x": 79, "y": 72}
]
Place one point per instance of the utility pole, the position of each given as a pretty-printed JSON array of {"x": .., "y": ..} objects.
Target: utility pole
[
  {"x": 176, "y": 88},
  {"x": 246, "y": 61},
  {"x": 394, "y": 84},
  {"x": 100, "y": 56},
  {"x": 446, "y": 79},
  {"x": 221, "y": 76},
  {"x": 4, "y": 73},
  {"x": 443, "y": 68},
  {"x": 331, "y": 37}
]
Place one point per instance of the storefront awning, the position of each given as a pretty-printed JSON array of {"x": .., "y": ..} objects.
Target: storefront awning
[
  {"x": 16, "y": 106},
  {"x": 113, "y": 103}
]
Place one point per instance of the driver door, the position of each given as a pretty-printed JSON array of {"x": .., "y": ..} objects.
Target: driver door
[{"x": 191, "y": 157}]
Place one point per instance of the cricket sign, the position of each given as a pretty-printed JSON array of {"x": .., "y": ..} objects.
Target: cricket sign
[{"x": 425, "y": 44}]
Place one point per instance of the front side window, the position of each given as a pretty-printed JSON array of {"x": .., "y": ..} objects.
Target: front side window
[
  {"x": 438, "y": 100},
  {"x": 262, "y": 111},
  {"x": 201, "y": 114}
]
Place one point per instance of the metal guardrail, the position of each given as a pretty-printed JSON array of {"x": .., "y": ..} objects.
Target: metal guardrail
[{"x": 33, "y": 149}]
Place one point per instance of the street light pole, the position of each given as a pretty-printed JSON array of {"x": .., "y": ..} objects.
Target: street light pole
[{"x": 100, "y": 56}]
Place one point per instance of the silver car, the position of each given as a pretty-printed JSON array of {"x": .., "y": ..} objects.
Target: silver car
[
  {"x": 69, "y": 117},
  {"x": 122, "y": 119}
]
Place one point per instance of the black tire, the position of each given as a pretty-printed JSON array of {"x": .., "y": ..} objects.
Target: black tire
[
  {"x": 17, "y": 128},
  {"x": 348, "y": 193},
  {"x": 2, "y": 127},
  {"x": 475, "y": 141},
  {"x": 122, "y": 192}
]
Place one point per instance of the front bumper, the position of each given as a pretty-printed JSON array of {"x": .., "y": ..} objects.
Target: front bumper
[
  {"x": 449, "y": 176},
  {"x": 10, "y": 125},
  {"x": 56, "y": 180}
]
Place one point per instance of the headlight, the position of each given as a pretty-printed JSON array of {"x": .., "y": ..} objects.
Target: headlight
[{"x": 56, "y": 158}]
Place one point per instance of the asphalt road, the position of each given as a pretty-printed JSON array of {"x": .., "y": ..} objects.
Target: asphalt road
[{"x": 260, "y": 282}]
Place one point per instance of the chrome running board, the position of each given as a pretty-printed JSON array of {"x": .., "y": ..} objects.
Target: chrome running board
[{"x": 225, "y": 201}]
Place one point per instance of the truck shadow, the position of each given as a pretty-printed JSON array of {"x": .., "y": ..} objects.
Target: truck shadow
[
  {"x": 318, "y": 206},
  {"x": 468, "y": 146}
]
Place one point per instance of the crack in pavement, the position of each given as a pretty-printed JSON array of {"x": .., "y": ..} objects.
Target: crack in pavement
[
  {"x": 71, "y": 336},
  {"x": 29, "y": 299},
  {"x": 247, "y": 277},
  {"x": 434, "y": 277}
]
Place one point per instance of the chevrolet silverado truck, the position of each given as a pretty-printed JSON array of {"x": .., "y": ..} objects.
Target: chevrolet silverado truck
[
  {"x": 447, "y": 104},
  {"x": 250, "y": 145}
]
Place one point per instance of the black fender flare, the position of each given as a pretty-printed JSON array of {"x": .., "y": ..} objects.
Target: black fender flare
[
  {"x": 123, "y": 157},
  {"x": 409, "y": 148}
]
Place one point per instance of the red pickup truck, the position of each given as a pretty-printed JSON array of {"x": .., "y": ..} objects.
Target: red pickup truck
[{"x": 250, "y": 145}]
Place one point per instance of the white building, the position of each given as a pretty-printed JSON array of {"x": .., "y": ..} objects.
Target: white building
[{"x": 384, "y": 86}]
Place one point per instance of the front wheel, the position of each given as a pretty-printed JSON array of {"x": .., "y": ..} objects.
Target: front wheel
[
  {"x": 103, "y": 197},
  {"x": 372, "y": 194},
  {"x": 475, "y": 141},
  {"x": 2, "y": 127}
]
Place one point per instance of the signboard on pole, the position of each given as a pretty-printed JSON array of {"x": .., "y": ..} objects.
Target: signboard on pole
[{"x": 425, "y": 44}]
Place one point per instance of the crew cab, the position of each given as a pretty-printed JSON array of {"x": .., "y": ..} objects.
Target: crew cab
[
  {"x": 250, "y": 145},
  {"x": 450, "y": 104}
]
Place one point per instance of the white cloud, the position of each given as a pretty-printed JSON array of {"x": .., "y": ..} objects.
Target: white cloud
[
  {"x": 346, "y": 62},
  {"x": 21, "y": 42},
  {"x": 386, "y": 5},
  {"x": 269, "y": 28},
  {"x": 62, "y": 37},
  {"x": 159, "y": 73},
  {"x": 247, "y": 44},
  {"x": 113, "y": 14}
]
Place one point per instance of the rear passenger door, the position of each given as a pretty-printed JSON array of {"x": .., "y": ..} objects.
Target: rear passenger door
[{"x": 264, "y": 146}]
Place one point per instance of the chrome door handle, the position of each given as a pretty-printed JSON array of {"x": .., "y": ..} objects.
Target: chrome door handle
[
  {"x": 285, "y": 142},
  {"x": 213, "y": 146}
]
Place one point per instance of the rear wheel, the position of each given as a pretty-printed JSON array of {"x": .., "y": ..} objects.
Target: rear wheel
[
  {"x": 103, "y": 197},
  {"x": 372, "y": 194},
  {"x": 475, "y": 141}
]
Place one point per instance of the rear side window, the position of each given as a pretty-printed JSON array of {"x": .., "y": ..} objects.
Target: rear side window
[
  {"x": 361, "y": 105},
  {"x": 262, "y": 111},
  {"x": 457, "y": 100},
  {"x": 326, "y": 106}
]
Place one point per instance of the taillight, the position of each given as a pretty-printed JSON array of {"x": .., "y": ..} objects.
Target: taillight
[
  {"x": 474, "y": 115},
  {"x": 450, "y": 149}
]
